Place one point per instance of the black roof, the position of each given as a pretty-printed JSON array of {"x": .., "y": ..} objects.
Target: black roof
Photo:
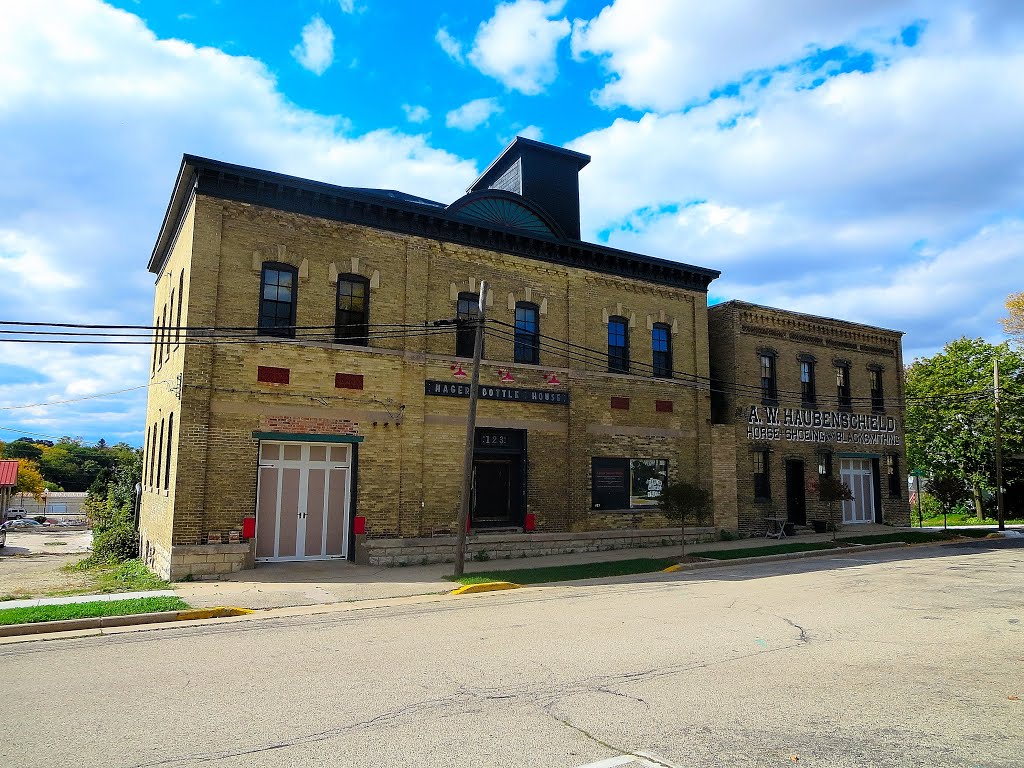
[{"x": 400, "y": 212}]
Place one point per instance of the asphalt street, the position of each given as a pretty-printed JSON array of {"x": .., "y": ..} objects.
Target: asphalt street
[{"x": 885, "y": 658}]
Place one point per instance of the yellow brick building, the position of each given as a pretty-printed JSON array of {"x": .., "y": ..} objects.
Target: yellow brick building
[
  {"x": 795, "y": 397},
  {"x": 307, "y": 404}
]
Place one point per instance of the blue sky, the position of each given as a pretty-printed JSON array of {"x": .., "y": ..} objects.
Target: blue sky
[{"x": 854, "y": 159}]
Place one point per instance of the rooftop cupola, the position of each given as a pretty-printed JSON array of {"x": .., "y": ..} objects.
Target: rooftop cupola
[{"x": 545, "y": 175}]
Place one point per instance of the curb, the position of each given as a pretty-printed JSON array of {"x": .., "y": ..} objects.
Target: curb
[
  {"x": 784, "y": 556},
  {"x": 103, "y": 622},
  {"x": 487, "y": 586}
]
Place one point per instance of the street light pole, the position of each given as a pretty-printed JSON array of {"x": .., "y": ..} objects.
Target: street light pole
[{"x": 467, "y": 459}]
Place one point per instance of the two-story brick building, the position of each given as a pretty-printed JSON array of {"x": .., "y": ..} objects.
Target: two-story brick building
[
  {"x": 309, "y": 403},
  {"x": 797, "y": 396}
]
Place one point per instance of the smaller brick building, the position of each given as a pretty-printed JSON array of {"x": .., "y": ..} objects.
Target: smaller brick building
[{"x": 796, "y": 396}]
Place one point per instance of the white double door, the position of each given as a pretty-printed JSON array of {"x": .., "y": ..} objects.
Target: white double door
[
  {"x": 302, "y": 501},
  {"x": 859, "y": 475}
]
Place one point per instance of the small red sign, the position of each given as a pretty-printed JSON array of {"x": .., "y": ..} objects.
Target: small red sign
[
  {"x": 620, "y": 403},
  {"x": 249, "y": 527},
  {"x": 359, "y": 525},
  {"x": 268, "y": 374},
  {"x": 530, "y": 522}
]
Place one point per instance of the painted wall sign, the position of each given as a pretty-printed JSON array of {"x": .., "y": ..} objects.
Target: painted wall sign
[
  {"x": 511, "y": 394},
  {"x": 619, "y": 483},
  {"x": 805, "y": 425}
]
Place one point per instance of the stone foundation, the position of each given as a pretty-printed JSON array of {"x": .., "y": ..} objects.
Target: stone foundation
[
  {"x": 505, "y": 546},
  {"x": 202, "y": 562}
]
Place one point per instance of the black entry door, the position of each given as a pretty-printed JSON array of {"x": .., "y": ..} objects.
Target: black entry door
[
  {"x": 796, "y": 499},
  {"x": 492, "y": 492}
]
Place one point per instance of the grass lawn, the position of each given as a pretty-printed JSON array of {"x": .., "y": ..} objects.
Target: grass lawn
[
  {"x": 570, "y": 572},
  {"x": 91, "y": 610},
  {"x": 104, "y": 578},
  {"x": 915, "y": 537},
  {"x": 962, "y": 520},
  {"x": 779, "y": 549}
]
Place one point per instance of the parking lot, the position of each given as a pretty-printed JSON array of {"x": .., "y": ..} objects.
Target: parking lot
[{"x": 30, "y": 564}]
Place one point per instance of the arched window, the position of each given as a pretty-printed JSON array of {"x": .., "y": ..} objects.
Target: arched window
[
  {"x": 170, "y": 319},
  {"x": 277, "y": 300},
  {"x": 618, "y": 345},
  {"x": 352, "y": 312},
  {"x": 527, "y": 336},
  {"x": 159, "y": 455},
  {"x": 467, "y": 310},
  {"x": 145, "y": 459},
  {"x": 181, "y": 300},
  {"x": 167, "y": 466},
  {"x": 661, "y": 349},
  {"x": 152, "y": 456}
]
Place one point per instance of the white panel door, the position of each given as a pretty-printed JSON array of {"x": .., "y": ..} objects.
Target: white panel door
[
  {"x": 302, "y": 509},
  {"x": 857, "y": 474}
]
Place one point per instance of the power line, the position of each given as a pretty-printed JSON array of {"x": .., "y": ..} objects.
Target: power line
[{"x": 80, "y": 399}]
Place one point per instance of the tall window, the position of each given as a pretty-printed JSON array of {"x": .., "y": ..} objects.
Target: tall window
[
  {"x": 843, "y": 384},
  {"x": 661, "y": 349},
  {"x": 877, "y": 395},
  {"x": 352, "y": 317},
  {"x": 152, "y": 457},
  {"x": 807, "y": 382},
  {"x": 170, "y": 319},
  {"x": 527, "y": 337},
  {"x": 769, "y": 390},
  {"x": 277, "y": 300},
  {"x": 159, "y": 456},
  {"x": 892, "y": 469},
  {"x": 467, "y": 311},
  {"x": 618, "y": 345},
  {"x": 825, "y": 463},
  {"x": 181, "y": 300},
  {"x": 145, "y": 459},
  {"x": 762, "y": 486},
  {"x": 167, "y": 466}
]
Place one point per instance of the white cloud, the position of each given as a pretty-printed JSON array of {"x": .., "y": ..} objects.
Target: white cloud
[
  {"x": 347, "y": 6},
  {"x": 96, "y": 112},
  {"x": 316, "y": 51},
  {"x": 449, "y": 44},
  {"x": 534, "y": 132},
  {"x": 871, "y": 197},
  {"x": 416, "y": 113},
  {"x": 665, "y": 54},
  {"x": 519, "y": 44},
  {"x": 472, "y": 114}
]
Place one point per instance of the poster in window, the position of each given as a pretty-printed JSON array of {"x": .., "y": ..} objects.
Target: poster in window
[
  {"x": 609, "y": 483},
  {"x": 647, "y": 479}
]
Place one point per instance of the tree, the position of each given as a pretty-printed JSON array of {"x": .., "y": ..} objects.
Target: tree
[
  {"x": 30, "y": 480},
  {"x": 948, "y": 491},
  {"x": 681, "y": 500},
  {"x": 22, "y": 448},
  {"x": 1013, "y": 324},
  {"x": 831, "y": 489},
  {"x": 110, "y": 506},
  {"x": 950, "y": 420}
]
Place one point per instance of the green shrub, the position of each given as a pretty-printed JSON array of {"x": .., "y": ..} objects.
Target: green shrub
[
  {"x": 725, "y": 535},
  {"x": 115, "y": 540}
]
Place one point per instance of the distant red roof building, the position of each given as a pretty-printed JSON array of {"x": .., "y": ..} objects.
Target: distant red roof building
[{"x": 8, "y": 473}]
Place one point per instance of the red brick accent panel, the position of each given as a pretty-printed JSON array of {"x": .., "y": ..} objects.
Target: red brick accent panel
[
  {"x": 270, "y": 375},
  {"x": 348, "y": 381},
  {"x": 303, "y": 425},
  {"x": 620, "y": 403},
  {"x": 663, "y": 406}
]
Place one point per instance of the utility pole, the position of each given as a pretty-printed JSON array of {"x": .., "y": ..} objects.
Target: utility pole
[
  {"x": 1000, "y": 506},
  {"x": 467, "y": 460}
]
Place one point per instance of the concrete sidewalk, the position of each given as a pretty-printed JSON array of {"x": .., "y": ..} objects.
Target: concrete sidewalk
[{"x": 279, "y": 585}]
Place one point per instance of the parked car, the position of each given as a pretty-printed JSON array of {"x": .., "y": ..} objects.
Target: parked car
[
  {"x": 16, "y": 513},
  {"x": 21, "y": 523},
  {"x": 3, "y": 536}
]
